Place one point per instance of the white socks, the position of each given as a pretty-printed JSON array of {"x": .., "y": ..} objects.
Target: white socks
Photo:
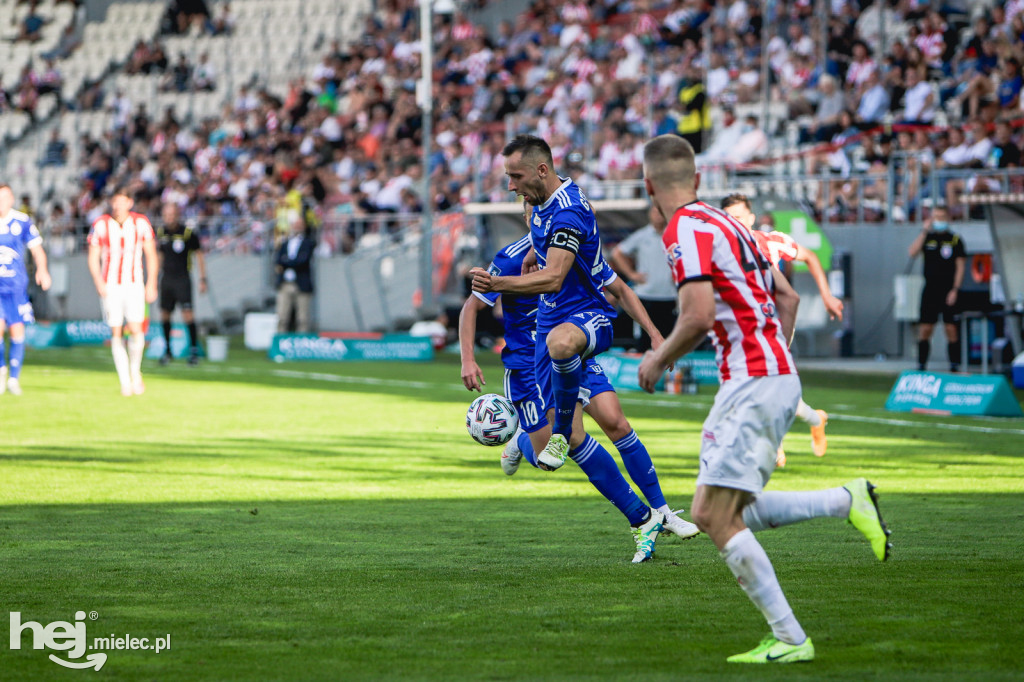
[
  {"x": 753, "y": 570},
  {"x": 120, "y": 360},
  {"x": 808, "y": 413},
  {"x": 775, "y": 509},
  {"x": 136, "y": 347},
  {"x": 665, "y": 509}
]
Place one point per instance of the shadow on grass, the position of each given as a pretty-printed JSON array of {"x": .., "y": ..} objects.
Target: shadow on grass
[{"x": 492, "y": 589}]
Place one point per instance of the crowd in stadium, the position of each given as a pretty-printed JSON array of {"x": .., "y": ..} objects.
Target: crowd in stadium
[{"x": 344, "y": 140}]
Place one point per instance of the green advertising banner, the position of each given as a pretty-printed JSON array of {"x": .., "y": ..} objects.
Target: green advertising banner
[
  {"x": 802, "y": 228},
  {"x": 292, "y": 347},
  {"x": 87, "y": 332},
  {"x": 964, "y": 394},
  {"x": 46, "y": 335},
  {"x": 621, "y": 369}
]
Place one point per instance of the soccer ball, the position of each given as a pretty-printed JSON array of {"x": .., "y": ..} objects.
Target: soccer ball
[{"x": 492, "y": 419}]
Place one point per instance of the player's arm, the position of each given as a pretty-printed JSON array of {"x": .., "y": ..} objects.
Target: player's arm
[
  {"x": 786, "y": 302},
  {"x": 696, "y": 319},
  {"x": 201, "y": 262},
  {"x": 152, "y": 268},
  {"x": 95, "y": 253},
  {"x": 918, "y": 243},
  {"x": 958, "y": 279},
  {"x": 42, "y": 269},
  {"x": 545, "y": 281},
  {"x": 630, "y": 302},
  {"x": 832, "y": 304},
  {"x": 472, "y": 375}
]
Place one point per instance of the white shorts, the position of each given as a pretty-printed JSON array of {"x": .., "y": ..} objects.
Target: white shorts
[
  {"x": 124, "y": 303},
  {"x": 744, "y": 429}
]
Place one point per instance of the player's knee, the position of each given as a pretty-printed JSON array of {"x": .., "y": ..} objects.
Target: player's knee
[
  {"x": 702, "y": 516},
  {"x": 560, "y": 346}
]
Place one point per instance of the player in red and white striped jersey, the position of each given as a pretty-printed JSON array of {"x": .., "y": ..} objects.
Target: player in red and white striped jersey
[
  {"x": 728, "y": 289},
  {"x": 779, "y": 248},
  {"x": 118, "y": 244}
]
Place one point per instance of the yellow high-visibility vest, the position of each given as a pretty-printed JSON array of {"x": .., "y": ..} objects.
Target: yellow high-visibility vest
[{"x": 697, "y": 120}]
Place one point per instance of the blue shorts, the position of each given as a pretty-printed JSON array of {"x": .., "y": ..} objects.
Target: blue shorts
[
  {"x": 16, "y": 308},
  {"x": 521, "y": 389},
  {"x": 598, "y": 330},
  {"x": 595, "y": 380}
]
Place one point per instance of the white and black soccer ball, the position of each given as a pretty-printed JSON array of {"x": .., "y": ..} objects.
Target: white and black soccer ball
[{"x": 492, "y": 419}]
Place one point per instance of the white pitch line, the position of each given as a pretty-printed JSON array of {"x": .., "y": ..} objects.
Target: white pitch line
[{"x": 687, "y": 404}]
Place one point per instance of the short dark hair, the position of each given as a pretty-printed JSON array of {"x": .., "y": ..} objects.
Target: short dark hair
[
  {"x": 124, "y": 191},
  {"x": 734, "y": 199},
  {"x": 529, "y": 145}
]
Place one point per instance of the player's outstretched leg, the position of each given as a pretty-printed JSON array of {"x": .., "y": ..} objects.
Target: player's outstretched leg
[
  {"x": 604, "y": 475},
  {"x": 120, "y": 354},
  {"x": 515, "y": 451},
  {"x": 866, "y": 517},
  {"x": 641, "y": 470},
  {"x": 136, "y": 348},
  {"x": 817, "y": 419}
]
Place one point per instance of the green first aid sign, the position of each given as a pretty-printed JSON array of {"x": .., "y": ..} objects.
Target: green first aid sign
[
  {"x": 802, "y": 228},
  {"x": 938, "y": 393},
  {"x": 289, "y": 347}
]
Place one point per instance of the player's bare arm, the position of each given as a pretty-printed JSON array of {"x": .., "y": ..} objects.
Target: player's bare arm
[
  {"x": 545, "y": 281},
  {"x": 152, "y": 269},
  {"x": 786, "y": 303},
  {"x": 95, "y": 253},
  {"x": 832, "y": 304},
  {"x": 696, "y": 319},
  {"x": 42, "y": 270},
  {"x": 630, "y": 302},
  {"x": 201, "y": 261},
  {"x": 958, "y": 279},
  {"x": 472, "y": 375}
]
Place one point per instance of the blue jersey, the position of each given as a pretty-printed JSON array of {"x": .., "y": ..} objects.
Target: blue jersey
[
  {"x": 566, "y": 221},
  {"x": 17, "y": 235},
  {"x": 520, "y": 312}
]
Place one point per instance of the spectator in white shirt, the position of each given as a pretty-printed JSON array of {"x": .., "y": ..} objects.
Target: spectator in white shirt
[{"x": 919, "y": 100}]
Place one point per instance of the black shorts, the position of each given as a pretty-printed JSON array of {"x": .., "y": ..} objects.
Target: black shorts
[
  {"x": 175, "y": 291},
  {"x": 933, "y": 304}
]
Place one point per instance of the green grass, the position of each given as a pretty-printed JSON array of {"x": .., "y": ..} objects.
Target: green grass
[{"x": 332, "y": 522}]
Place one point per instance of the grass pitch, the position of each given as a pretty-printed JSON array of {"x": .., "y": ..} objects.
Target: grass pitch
[{"x": 335, "y": 522}]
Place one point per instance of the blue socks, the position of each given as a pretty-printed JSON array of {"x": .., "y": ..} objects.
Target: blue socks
[
  {"x": 17, "y": 357},
  {"x": 641, "y": 468},
  {"x": 526, "y": 447},
  {"x": 565, "y": 383},
  {"x": 603, "y": 473}
]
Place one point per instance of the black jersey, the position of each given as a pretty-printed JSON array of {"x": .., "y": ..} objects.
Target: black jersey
[
  {"x": 941, "y": 249},
  {"x": 177, "y": 244}
]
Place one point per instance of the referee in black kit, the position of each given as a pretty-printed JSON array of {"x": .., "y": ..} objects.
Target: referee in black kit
[
  {"x": 176, "y": 244},
  {"x": 944, "y": 262}
]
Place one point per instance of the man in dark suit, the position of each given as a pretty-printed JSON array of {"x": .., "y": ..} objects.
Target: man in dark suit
[{"x": 293, "y": 264}]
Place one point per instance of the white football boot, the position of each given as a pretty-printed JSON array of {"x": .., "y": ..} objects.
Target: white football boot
[
  {"x": 645, "y": 536},
  {"x": 684, "y": 529},
  {"x": 511, "y": 456}
]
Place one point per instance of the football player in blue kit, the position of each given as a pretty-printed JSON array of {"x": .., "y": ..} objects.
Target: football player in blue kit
[
  {"x": 573, "y": 313},
  {"x": 18, "y": 234},
  {"x": 599, "y": 397}
]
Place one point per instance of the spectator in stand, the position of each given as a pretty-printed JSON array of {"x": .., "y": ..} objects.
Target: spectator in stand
[
  {"x": 825, "y": 121},
  {"x": 204, "y": 77},
  {"x": 31, "y": 25},
  {"x": 919, "y": 99},
  {"x": 56, "y": 153},
  {"x": 874, "y": 103}
]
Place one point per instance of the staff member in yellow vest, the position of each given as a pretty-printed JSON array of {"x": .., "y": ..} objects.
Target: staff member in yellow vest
[{"x": 696, "y": 115}]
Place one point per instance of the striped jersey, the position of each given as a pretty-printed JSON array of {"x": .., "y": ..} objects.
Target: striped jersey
[
  {"x": 566, "y": 221},
  {"x": 519, "y": 311},
  {"x": 17, "y": 234},
  {"x": 122, "y": 247},
  {"x": 706, "y": 243},
  {"x": 776, "y": 247}
]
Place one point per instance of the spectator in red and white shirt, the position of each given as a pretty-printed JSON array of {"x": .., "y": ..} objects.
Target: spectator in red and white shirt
[{"x": 118, "y": 243}]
